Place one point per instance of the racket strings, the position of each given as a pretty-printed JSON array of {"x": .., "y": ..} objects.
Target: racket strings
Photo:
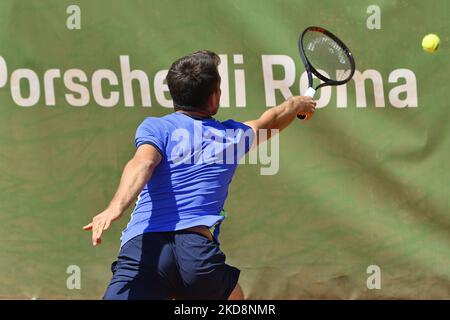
[{"x": 326, "y": 56}]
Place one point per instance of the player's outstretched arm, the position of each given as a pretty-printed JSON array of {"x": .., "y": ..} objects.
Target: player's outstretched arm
[
  {"x": 135, "y": 175},
  {"x": 281, "y": 116}
]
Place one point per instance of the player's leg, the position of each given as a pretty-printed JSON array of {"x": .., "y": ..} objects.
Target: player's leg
[
  {"x": 138, "y": 274},
  {"x": 237, "y": 293},
  {"x": 203, "y": 270}
]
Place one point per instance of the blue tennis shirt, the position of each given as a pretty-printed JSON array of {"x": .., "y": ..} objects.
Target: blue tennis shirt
[{"x": 189, "y": 186}]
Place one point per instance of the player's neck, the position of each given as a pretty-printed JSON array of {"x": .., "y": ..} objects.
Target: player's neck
[{"x": 196, "y": 114}]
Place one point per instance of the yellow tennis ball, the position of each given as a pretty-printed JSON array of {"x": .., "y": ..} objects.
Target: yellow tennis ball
[{"x": 430, "y": 43}]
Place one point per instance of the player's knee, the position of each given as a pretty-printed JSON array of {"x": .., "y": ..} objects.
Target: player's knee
[{"x": 237, "y": 293}]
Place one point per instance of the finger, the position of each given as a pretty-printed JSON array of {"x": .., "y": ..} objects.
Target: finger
[
  {"x": 107, "y": 224},
  {"x": 88, "y": 227},
  {"x": 97, "y": 232},
  {"x": 97, "y": 241}
]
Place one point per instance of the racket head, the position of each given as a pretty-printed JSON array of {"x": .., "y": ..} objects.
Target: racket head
[{"x": 321, "y": 49}]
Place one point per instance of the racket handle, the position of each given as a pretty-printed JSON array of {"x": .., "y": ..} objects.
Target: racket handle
[{"x": 310, "y": 92}]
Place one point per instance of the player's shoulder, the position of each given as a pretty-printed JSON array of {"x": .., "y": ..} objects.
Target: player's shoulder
[
  {"x": 162, "y": 122},
  {"x": 233, "y": 124}
]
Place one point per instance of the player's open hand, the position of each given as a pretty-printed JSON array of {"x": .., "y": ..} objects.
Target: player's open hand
[{"x": 100, "y": 223}]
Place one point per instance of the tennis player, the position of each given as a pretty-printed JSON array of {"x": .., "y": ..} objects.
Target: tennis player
[{"x": 180, "y": 174}]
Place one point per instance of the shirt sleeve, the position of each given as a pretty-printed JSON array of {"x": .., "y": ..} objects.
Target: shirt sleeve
[
  {"x": 150, "y": 131},
  {"x": 243, "y": 133}
]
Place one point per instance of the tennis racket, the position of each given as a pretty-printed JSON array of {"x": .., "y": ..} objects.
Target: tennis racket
[{"x": 322, "y": 50}]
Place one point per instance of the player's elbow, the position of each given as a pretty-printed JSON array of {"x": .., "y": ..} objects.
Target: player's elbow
[{"x": 146, "y": 165}]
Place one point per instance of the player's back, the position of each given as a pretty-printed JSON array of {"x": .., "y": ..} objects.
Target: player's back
[{"x": 190, "y": 185}]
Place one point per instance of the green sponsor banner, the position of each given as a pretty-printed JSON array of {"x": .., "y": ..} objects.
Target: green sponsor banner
[{"x": 353, "y": 205}]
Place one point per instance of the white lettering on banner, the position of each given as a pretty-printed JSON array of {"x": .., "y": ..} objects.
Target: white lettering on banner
[
  {"x": 374, "y": 280},
  {"x": 239, "y": 81},
  {"x": 224, "y": 84},
  {"x": 270, "y": 84},
  {"x": 374, "y": 20},
  {"x": 359, "y": 79},
  {"x": 33, "y": 85},
  {"x": 74, "y": 20},
  {"x": 3, "y": 72},
  {"x": 97, "y": 92},
  {"x": 378, "y": 91},
  {"x": 127, "y": 78},
  {"x": 79, "y": 89},
  {"x": 49, "y": 86},
  {"x": 161, "y": 88},
  {"x": 132, "y": 86},
  {"x": 74, "y": 279},
  {"x": 410, "y": 88}
]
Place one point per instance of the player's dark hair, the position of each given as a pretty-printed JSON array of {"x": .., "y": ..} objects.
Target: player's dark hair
[{"x": 192, "y": 79}]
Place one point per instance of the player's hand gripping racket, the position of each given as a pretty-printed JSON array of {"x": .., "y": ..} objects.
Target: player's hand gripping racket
[{"x": 322, "y": 50}]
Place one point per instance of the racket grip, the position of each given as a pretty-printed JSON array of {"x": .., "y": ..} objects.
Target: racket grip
[{"x": 310, "y": 92}]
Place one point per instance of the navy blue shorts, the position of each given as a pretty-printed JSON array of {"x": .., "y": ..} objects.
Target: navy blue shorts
[{"x": 171, "y": 265}]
